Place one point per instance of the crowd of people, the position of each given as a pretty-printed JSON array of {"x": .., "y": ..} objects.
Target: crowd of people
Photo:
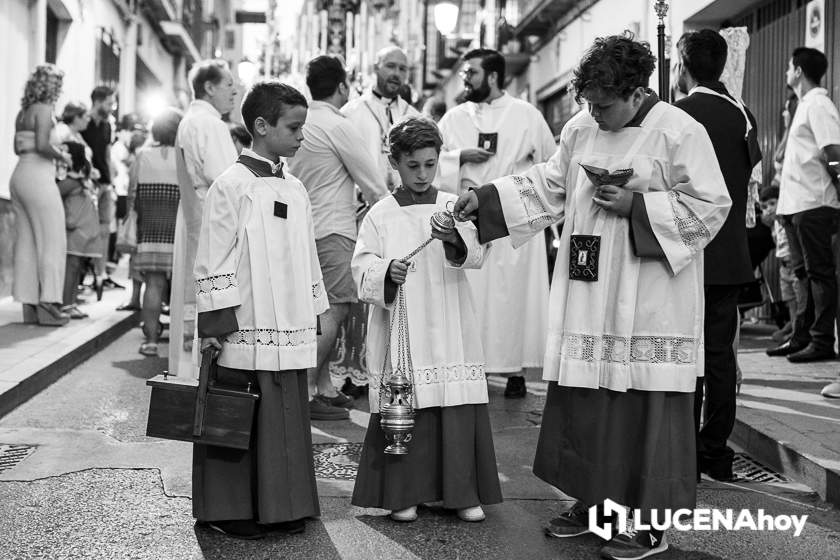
[{"x": 260, "y": 240}]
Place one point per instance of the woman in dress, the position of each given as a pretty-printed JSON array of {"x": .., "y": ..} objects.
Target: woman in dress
[
  {"x": 153, "y": 193},
  {"x": 41, "y": 245}
]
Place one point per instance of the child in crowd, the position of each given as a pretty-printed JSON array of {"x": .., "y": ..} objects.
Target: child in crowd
[
  {"x": 768, "y": 198},
  {"x": 450, "y": 456},
  {"x": 259, "y": 291},
  {"x": 81, "y": 221}
]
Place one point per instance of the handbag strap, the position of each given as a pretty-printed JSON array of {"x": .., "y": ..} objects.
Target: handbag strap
[{"x": 201, "y": 395}]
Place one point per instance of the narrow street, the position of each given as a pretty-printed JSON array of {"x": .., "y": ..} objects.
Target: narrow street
[{"x": 91, "y": 485}]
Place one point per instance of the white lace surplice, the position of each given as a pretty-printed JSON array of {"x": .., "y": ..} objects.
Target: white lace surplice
[
  {"x": 264, "y": 266},
  {"x": 640, "y": 326},
  {"x": 445, "y": 344}
]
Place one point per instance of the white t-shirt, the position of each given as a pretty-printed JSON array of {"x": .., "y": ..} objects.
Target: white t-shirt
[{"x": 805, "y": 183}]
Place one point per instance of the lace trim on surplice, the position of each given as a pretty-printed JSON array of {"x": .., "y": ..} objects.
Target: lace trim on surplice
[
  {"x": 215, "y": 283},
  {"x": 693, "y": 232},
  {"x": 271, "y": 337},
  {"x": 626, "y": 350},
  {"x": 533, "y": 206}
]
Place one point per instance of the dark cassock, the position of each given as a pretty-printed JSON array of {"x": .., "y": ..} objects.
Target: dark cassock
[
  {"x": 732, "y": 130},
  {"x": 259, "y": 291},
  {"x": 624, "y": 347}
]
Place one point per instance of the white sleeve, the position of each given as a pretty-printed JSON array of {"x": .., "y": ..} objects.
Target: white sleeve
[
  {"x": 687, "y": 216},
  {"x": 370, "y": 269},
  {"x": 216, "y": 283}
]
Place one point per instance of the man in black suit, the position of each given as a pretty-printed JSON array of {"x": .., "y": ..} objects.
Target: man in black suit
[{"x": 732, "y": 130}]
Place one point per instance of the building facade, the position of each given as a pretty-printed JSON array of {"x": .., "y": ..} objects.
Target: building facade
[{"x": 141, "y": 48}]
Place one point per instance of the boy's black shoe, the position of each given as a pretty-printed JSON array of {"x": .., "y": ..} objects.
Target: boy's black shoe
[
  {"x": 289, "y": 527},
  {"x": 515, "y": 388},
  {"x": 246, "y": 529},
  {"x": 571, "y": 523},
  {"x": 635, "y": 545},
  {"x": 355, "y": 391}
]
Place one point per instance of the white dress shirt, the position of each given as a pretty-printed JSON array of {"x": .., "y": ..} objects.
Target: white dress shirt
[{"x": 805, "y": 183}]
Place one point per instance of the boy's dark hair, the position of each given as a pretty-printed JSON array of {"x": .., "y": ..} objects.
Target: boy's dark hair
[
  {"x": 240, "y": 133},
  {"x": 768, "y": 193},
  {"x": 80, "y": 162},
  {"x": 703, "y": 54},
  {"x": 99, "y": 93},
  {"x": 324, "y": 74},
  {"x": 72, "y": 110},
  {"x": 615, "y": 65},
  {"x": 165, "y": 126},
  {"x": 206, "y": 71},
  {"x": 813, "y": 63},
  {"x": 491, "y": 61},
  {"x": 269, "y": 100},
  {"x": 414, "y": 133}
]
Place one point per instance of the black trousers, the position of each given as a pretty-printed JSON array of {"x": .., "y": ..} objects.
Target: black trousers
[
  {"x": 718, "y": 383},
  {"x": 812, "y": 259}
]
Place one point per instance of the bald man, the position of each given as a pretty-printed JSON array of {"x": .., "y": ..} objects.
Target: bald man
[{"x": 377, "y": 109}]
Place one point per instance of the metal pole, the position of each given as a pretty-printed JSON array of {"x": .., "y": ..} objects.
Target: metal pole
[{"x": 661, "y": 9}]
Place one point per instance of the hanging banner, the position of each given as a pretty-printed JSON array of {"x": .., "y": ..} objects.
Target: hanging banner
[{"x": 815, "y": 25}]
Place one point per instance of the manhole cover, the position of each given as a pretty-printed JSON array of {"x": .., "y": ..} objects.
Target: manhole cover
[
  {"x": 746, "y": 467},
  {"x": 336, "y": 461},
  {"x": 11, "y": 455}
]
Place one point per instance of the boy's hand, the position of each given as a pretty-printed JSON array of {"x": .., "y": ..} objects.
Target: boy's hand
[
  {"x": 466, "y": 207},
  {"x": 475, "y": 155},
  {"x": 450, "y": 236},
  {"x": 615, "y": 199},
  {"x": 211, "y": 342},
  {"x": 397, "y": 271}
]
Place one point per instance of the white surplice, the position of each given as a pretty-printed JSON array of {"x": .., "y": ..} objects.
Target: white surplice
[
  {"x": 206, "y": 150},
  {"x": 264, "y": 266},
  {"x": 445, "y": 344},
  {"x": 640, "y": 325},
  {"x": 511, "y": 289},
  {"x": 369, "y": 117}
]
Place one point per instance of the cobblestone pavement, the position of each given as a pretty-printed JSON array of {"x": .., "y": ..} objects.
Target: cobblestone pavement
[{"x": 96, "y": 487}]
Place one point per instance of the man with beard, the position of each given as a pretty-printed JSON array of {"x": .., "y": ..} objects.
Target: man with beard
[
  {"x": 99, "y": 135},
  {"x": 490, "y": 135},
  {"x": 732, "y": 130},
  {"x": 374, "y": 112},
  {"x": 205, "y": 150}
]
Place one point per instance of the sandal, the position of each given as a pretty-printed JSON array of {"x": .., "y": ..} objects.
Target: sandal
[
  {"x": 149, "y": 349},
  {"x": 74, "y": 312}
]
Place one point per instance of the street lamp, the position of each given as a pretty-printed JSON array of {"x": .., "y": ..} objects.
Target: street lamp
[
  {"x": 446, "y": 17},
  {"x": 661, "y": 9}
]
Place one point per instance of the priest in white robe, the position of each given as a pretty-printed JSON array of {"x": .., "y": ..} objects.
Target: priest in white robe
[
  {"x": 625, "y": 340},
  {"x": 205, "y": 151},
  {"x": 490, "y": 135},
  {"x": 379, "y": 108}
]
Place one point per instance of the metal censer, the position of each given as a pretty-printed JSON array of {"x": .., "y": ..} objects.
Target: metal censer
[{"x": 397, "y": 417}]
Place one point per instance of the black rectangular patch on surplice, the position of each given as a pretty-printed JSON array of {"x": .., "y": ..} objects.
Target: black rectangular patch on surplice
[{"x": 281, "y": 209}]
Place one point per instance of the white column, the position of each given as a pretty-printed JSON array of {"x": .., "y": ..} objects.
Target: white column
[
  {"x": 128, "y": 68},
  {"x": 38, "y": 32}
]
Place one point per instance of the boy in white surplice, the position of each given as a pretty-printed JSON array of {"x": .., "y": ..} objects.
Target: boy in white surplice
[
  {"x": 451, "y": 456},
  {"x": 259, "y": 291}
]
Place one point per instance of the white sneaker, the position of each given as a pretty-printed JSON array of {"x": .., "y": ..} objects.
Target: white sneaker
[
  {"x": 405, "y": 515},
  {"x": 471, "y": 514},
  {"x": 832, "y": 390}
]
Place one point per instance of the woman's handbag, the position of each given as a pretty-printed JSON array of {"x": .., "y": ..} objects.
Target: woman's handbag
[
  {"x": 201, "y": 411},
  {"x": 127, "y": 233}
]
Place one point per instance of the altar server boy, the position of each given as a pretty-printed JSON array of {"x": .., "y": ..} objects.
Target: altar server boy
[
  {"x": 451, "y": 456},
  {"x": 259, "y": 291}
]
